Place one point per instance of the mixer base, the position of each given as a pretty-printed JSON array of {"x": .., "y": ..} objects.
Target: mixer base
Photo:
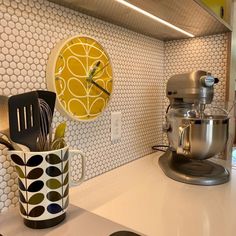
[{"x": 198, "y": 172}]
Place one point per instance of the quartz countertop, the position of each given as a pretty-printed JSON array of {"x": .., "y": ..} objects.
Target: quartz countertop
[
  {"x": 78, "y": 222},
  {"x": 138, "y": 195}
]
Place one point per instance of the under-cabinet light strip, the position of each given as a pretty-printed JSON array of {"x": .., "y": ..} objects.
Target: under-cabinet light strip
[{"x": 127, "y": 4}]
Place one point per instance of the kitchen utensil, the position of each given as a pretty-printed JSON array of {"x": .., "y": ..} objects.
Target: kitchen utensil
[
  {"x": 4, "y": 122},
  {"x": 60, "y": 131},
  {"x": 24, "y": 119},
  {"x": 44, "y": 179},
  {"x": 44, "y": 139},
  {"x": 46, "y": 104},
  {"x": 6, "y": 143},
  {"x": 50, "y": 98},
  {"x": 194, "y": 135},
  {"x": 12, "y": 145},
  {"x": 59, "y": 141}
]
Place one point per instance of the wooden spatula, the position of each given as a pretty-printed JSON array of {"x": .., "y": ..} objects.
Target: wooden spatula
[{"x": 24, "y": 119}]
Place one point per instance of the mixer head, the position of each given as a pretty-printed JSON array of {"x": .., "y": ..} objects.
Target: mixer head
[{"x": 196, "y": 87}]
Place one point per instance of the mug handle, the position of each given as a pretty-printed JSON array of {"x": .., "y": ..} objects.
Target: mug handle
[{"x": 74, "y": 152}]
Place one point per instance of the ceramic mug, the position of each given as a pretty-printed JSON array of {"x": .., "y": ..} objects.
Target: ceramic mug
[{"x": 44, "y": 180}]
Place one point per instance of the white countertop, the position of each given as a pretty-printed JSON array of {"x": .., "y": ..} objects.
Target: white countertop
[
  {"x": 139, "y": 196},
  {"x": 78, "y": 222}
]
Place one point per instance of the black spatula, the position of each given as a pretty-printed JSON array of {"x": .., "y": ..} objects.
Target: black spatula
[{"x": 24, "y": 119}]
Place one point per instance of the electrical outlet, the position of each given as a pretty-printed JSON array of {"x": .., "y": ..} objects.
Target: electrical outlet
[{"x": 115, "y": 126}]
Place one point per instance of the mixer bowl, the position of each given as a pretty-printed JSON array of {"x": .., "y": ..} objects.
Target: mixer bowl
[{"x": 198, "y": 138}]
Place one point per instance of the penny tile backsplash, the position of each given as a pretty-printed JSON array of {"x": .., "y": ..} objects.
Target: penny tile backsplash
[
  {"x": 29, "y": 29},
  {"x": 206, "y": 53}
]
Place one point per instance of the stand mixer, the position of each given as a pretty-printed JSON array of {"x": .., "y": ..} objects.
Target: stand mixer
[{"x": 193, "y": 135}]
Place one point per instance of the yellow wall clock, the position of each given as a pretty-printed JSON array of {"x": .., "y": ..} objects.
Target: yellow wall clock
[{"x": 80, "y": 72}]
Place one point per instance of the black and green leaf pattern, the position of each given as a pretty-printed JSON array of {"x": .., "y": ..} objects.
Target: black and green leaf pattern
[
  {"x": 66, "y": 203},
  {"x": 54, "y": 196},
  {"x": 22, "y": 210},
  {"x": 66, "y": 155},
  {"x": 66, "y": 191},
  {"x": 53, "y": 171},
  {"x": 66, "y": 168},
  {"x": 20, "y": 172},
  {"x": 34, "y": 160},
  {"x": 36, "y": 199},
  {"x": 66, "y": 180},
  {"x": 25, "y": 187},
  {"x": 17, "y": 160},
  {"x": 54, "y": 208},
  {"x": 36, "y": 186},
  {"x": 53, "y": 159},
  {"x": 37, "y": 211},
  {"x": 21, "y": 185},
  {"x": 53, "y": 183},
  {"x": 32, "y": 199},
  {"x": 22, "y": 198},
  {"x": 35, "y": 173}
]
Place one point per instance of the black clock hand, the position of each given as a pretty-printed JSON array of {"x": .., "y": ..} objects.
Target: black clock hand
[
  {"x": 100, "y": 87},
  {"x": 92, "y": 74},
  {"x": 102, "y": 68}
]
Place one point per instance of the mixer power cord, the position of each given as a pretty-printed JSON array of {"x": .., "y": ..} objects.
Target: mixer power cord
[
  {"x": 167, "y": 109},
  {"x": 160, "y": 148}
]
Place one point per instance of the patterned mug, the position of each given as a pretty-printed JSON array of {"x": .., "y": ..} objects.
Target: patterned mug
[{"x": 44, "y": 180}]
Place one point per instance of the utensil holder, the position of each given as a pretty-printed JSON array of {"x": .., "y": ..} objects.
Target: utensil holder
[{"x": 44, "y": 179}]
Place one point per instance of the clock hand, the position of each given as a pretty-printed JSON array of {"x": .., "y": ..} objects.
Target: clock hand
[
  {"x": 91, "y": 73},
  {"x": 102, "y": 68},
  {"x": 100, "y": 87}
]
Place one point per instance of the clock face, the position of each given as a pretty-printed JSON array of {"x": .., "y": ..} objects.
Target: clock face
[{"x": 80, "y": 72}]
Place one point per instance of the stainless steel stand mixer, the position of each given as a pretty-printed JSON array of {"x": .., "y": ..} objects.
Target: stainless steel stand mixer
[{"x": 193, "y": 135}]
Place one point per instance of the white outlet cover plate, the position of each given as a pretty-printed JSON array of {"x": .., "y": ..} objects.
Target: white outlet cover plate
[{"x": 115, "y": 126}]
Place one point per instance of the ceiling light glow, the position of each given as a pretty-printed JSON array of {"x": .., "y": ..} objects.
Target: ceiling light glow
[{"x": 127, "y": 4}]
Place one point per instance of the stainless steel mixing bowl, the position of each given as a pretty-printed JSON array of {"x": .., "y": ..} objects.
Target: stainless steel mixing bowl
[{"x": 198, "y": 138}]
